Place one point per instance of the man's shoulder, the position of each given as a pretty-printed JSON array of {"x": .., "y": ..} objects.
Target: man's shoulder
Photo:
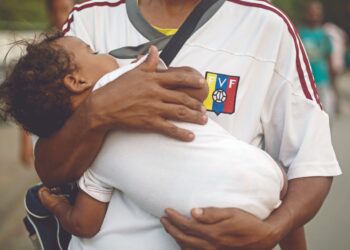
[
  {"x": 261, "y": 13},
  {"x": 89, "y": 12},
  {"x": 97, "y": 5}
]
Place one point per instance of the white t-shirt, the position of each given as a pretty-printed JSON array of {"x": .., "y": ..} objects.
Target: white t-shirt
[
  {"x": 247, "y": 49},
  {"x": 156, "y": 172},
  {"x": 251, "y": 51}
]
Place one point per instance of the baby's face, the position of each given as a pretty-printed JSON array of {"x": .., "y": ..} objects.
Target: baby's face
[{"x": 90, "y": 64}]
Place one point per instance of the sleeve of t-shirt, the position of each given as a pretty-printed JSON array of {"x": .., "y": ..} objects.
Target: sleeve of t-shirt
[
  {"x": 94, "y": 187},
  {"x": 296, "y": 129},
  {"x": 76, "y": 26}
]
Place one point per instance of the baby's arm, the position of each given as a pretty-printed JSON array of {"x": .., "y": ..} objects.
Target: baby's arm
[{"x": 83, "y": 219}]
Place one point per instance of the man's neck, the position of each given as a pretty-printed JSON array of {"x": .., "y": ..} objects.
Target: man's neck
[{"x": 167, "y": 13}]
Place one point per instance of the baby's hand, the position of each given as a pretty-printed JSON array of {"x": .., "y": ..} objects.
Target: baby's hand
[{"x": 52, "y": 201}]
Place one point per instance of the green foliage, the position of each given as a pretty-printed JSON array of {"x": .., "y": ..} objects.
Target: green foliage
[{"x": 23, "y": 14}]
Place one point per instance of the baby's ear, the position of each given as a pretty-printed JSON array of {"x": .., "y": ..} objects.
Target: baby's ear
[{"x": 76, "y": 84}]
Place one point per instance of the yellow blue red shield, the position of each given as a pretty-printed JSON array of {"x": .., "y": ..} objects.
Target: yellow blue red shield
[{"x": 222, "y": 93}]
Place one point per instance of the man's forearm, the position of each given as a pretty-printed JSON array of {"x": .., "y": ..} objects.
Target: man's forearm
[
  {"x": 304, "y": 198},
  {"x": 67, "y": 154},
  {"x": 294, "y": 240},
  {"x": 232, "y": 228}
]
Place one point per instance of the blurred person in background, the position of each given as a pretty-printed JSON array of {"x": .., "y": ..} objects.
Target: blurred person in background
[
  {"x": 338, "y": 39},
  {"x": 26, "y": 149},
  {"x": 319, "y": 49},
  {"x": 58, "y": 11},
  {"x": 347, "y": 58}
]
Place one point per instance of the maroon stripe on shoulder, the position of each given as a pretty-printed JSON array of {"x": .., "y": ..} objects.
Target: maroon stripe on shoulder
[
  {"x": 294, "y": 36},
  {"x": 310, "y": 74},
  {"x": 69, "y": 22},
  {"x": 307, "y": 65},
  {"x": 90, "y": 5},
  {"x": 100, "y": 4}
]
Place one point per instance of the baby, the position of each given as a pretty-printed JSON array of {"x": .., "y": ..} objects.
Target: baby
[{"x": 153, "y": 171}]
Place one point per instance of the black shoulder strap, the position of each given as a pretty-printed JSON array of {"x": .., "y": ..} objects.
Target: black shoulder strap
[{"x": 185, "y": 31}]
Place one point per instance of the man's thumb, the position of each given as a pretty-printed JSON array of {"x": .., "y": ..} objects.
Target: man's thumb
[
  {"x": 152, "y": 60},
  {"x": 211, "y": 215}
]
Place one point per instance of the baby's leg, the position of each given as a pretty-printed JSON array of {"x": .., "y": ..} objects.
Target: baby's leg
[{"x": 83, "y": 219}]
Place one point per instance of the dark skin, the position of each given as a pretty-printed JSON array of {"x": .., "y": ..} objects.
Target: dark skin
[
  {"x": 73, "y": 218},
  {"x": 229, "y": 228}
]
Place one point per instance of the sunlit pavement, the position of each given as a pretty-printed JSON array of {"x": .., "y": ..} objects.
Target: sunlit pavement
[{"x": 328, "y": 231}]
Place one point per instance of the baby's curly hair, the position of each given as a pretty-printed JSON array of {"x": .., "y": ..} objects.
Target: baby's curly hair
[{"x": 33, "y": 93}]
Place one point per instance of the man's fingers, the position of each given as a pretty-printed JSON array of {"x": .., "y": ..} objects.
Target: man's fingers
[
  {"x": 152, "y": 60},
  {"x": 167, "y": 128},
  {"x": 184, "y": 240},
  {"x": 176, "y": 97},
  {"x": 181, "y": 113},
  {"x": 212, "y": 215},
  {"x": 188, "y": 226},
  {"x": 181, "y": 77}
]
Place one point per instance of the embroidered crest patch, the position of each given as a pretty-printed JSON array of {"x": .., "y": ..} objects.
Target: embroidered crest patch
[{"x": 222, "y": 93}]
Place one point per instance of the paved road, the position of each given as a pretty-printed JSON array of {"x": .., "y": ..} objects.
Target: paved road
[
  {"x": 14, "y": 180},
  {"x": 328, "y": 231}
]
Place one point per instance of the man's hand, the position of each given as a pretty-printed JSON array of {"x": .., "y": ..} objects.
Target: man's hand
[
  {"x": 229, "y": 228},
  {"x": 145, "y": 99},
  {"x": 219, "y": 228}
]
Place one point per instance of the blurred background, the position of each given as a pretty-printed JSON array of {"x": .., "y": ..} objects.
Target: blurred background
[{"x": 324, "y": 27}]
